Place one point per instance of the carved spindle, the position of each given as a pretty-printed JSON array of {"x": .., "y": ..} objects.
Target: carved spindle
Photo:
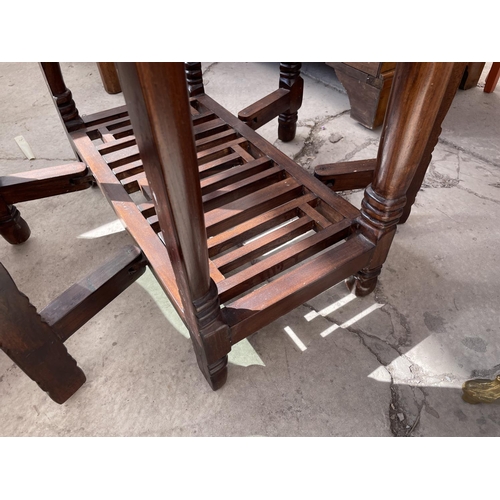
[
  {"x": 62, "y": 96},
  {"x": 290, "y": 79},
  {"x": 158, "y": 105},
  {"x": 13, "y": 227},
  {"x": 416, "y": 96},
  {"x": 416, "y": 183},
  {"x": 194, "y": 77}
]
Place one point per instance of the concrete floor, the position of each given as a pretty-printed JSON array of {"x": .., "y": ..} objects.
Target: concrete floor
[{"x": 394, "y": 365}]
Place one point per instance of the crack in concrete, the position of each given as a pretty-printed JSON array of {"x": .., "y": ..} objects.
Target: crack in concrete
[
  {"x": 470, "y": 153},
  {"x": 358, "y": 149},
  {"x": 399, "y": 426},
  {"x": 486, "y": 373},
  {"x": 312, "y": 143},
  {"x": 480, "y": 196},
  {"x": 208, "y": 69}
]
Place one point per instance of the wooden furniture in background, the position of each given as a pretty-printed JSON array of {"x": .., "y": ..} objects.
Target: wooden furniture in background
[
  {"x": 492, "y": 78},
  {"x": 109, "y": 77},
  {"x": 368, "y": 86},
  {"x": 472, "y": 73},
  {"x": 359, "y": 174},
  {"x": 34, "y": 185}
]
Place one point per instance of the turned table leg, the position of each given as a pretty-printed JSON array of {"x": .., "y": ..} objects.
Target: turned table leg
[
  {"x": 417, "y": 94},
  {"x": 290, "y": 79},
  {"x": 416, "y": 183},
  {"x": 13, "y": 227}
]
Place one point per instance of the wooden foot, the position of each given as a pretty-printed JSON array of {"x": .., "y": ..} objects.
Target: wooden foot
[
  {"x": 13, "y": 227},
  {"x": 290, "y": 79},
  {"x": 364, "y": 282},
  {"x": 215, "y": 373}
]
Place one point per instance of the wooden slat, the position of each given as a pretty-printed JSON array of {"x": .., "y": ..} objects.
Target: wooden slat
[
  {"x": 248, "y": 229},
  {"x": 256, "y": 248},
  {"x": 122, "y": 131},
  {"x": 132, "y": 218},
  {"x": 128, "y": 169},
  {"x": 131, "y": 183},
  {"x": 115, "y": 145},
  {"x": 320, "y": 220},
  {"x": 262, "y": 306},
  {"x": 241, "y": 188},
  {"x": 220, "y": 219},
  {"x": 145, "y": 188},
  {"x": 209, "y": 128},
  {"x": 147, "y": 209},
  {"x": 215, "y": 274},
  {"x": 216, "y": 152},
  {"x": 111, "y": 125},
  {"x": 303, "y": 177},
  {"x": 202, "y": 117},
  {"x": 105, "y": 135},
  {"x": 220, "y": 164},
  {"x": 121, "y": 157},
  {"x": 282, "y": 260},
  {"x": 234, "y": 174},
  {"x": 243, "y": 153},
  {"x": 215, "y": 140},
  {"x": 103, "y": 116}
]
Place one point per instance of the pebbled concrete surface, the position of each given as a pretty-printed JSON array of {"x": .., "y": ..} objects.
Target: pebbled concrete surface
[{"x": 389, "y": 364}]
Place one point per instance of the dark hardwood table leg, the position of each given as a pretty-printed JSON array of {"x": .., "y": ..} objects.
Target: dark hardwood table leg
[
  {"x": 417, "y": 94},
  {"x": 157, "y": 98},
  {"x": 419, "y": 176},
  {"x": 13, "y": 227},
  {"x": 109, "y": 77},
  {"x": 290, "y": 79}
]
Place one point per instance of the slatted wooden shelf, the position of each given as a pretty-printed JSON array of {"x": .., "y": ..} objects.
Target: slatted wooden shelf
[{"x": 265, "y": 217}]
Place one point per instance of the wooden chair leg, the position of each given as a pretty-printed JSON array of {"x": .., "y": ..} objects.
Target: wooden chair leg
[
  {"x": 150, "y": 89},
  {"x": 417, "y": 93},
  {"x": 109, "y": 77},
  {"x": 290, "y": 79},
  {"x": 492, "y": 78},
  {"x": 194, "y": 77},
  {"x": 13, "y": 227}
]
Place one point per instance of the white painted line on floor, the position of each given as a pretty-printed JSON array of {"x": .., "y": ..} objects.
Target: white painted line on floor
[
  {"x": 296, "y": 339},
  {"x": 353, "y": 320},
  {"x": 333, "y": 307}
]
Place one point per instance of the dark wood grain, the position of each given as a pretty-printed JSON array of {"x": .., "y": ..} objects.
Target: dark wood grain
[
  {"x": 83, "y": 300},
  {"x": 158, "y": 105},
  {"x": 416, "y": 97},
  {"x": 109, "y": 77},
  {"x": 32, "y": 345}
]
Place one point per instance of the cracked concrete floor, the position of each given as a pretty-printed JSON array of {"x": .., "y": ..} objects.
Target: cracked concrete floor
[{"x": 389, "y": 364}]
